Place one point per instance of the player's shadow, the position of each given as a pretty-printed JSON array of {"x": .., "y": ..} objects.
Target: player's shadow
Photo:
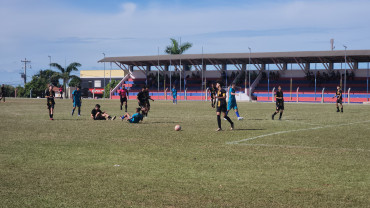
[
  {"x": 258, "y": 119},
  {"x": 249, "y": 129}
]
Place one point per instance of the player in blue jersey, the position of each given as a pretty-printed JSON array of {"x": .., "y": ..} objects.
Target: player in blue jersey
[
  {"x": 174, "y": 95},
  {"x": 232, "y": 102},
  {"x": 135, "y": 118},
  {"x": 76, "y": 97}
]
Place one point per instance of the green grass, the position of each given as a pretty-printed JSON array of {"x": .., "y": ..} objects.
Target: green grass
[{"x": 70, "y": 162}]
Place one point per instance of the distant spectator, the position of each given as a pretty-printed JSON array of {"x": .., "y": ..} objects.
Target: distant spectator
[
  {"x": 3, "y": 93},
  {"x": 61, "y": 92}
]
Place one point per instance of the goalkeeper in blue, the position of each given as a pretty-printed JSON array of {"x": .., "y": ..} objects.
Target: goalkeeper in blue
[
  {"x": 76, "y": 97},
  {"x": 232, "y": 102}
]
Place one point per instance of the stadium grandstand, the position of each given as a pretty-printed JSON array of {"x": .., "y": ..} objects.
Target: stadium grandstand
[{"x": 305, "y": 76}]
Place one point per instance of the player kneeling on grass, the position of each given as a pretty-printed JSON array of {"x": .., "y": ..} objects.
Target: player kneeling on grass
[
  {"x": 135, "y": 118},
  {"x": 232, "y": 102},
  {"x": 279, "y": 103},
  {"x": 97, "y": 114},
  {"x": 221, "y": 106}
]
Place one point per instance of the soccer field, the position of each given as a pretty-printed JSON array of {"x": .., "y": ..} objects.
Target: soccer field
[{"x": 314, "y": 157}]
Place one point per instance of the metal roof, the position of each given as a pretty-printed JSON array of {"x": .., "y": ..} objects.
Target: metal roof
[{"x": 336, "y": 56}]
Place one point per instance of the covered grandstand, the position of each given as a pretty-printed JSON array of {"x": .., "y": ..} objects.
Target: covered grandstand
[{"x": 303, "y": 75}]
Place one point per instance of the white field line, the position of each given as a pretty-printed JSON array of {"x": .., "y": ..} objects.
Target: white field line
[
  {"x": 296, "y": 130},
  {"x": 304, "y": 147},
  {"x": 302, "y": 122}
]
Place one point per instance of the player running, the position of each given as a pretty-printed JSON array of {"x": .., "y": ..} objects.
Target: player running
[
  {"x": 279, "y": 95},
  {"x": 141, "y": 99},
  {"x": 221, "y": 106},
  {"x": 135, "y": 118},
  {"x": 213, "y": 91},
  {"x": 339, "y": 97},
  {"x": 232, "y": 102},
  {"x": 97, "y": 114},
  {"x": 50, "y": 95},
  {"x": 147, "y": 101},
  {"x": 76, "y": 97},
  {"x": 123, "y": 94}
]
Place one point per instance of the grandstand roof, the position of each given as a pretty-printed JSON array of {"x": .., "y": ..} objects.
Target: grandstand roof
[{"x": 336, "y": 56}]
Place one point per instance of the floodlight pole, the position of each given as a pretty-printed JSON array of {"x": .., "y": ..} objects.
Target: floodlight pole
[
  {"x": 158, "y": 75},
  {"x": 249, "y": 75},
  {"x": 202, "y": 75},
  {"x": 49, "y": 62},
  {"x": 345, "y": 72},
  {"x": 315, "y": 80},
  {"x": 104, "y": 78}
]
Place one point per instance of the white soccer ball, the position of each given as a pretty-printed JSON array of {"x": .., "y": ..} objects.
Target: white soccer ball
[{"x": 177, "y": 128}]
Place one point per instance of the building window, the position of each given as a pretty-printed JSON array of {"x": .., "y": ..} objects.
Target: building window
[{"x": 97, "y": 83}]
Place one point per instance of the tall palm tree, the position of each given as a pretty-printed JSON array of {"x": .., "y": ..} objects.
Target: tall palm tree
[
  {"x": 176, "y": 48},
  {"x": 65, "y": 73}
]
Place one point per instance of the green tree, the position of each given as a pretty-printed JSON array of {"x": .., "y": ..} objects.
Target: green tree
[
  {"x": 39, "y": 83},
  {"x": 65, "y": 73},
  {"x": 176, "y": 48},
  {"x": 75, "y": 81},
  {"x": 110, "y": 86}
]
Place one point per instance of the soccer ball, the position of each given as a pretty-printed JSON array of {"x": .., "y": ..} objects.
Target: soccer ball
[{"x": 177, "y": 128}]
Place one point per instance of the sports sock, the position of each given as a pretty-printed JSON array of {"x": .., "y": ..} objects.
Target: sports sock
[
  {"x": 51, "y": 115},
  {"x": 281, "y": 114},
  {"x": 121, "y": 107},
  {"x": 338, "y": 108},
  {"x": 237, "y": 114},
  {"x": 341, "y": 109},
  {"x": 228, "y": 119},
  {"x": 126, "y": 108},
  {"x": 79, "y": 111},
  {"x": 219, "y": 121},
  {"x": 227, "y": 112},
  {"x": 274, "y": 114},
  {"x": 73, "y": 111}
]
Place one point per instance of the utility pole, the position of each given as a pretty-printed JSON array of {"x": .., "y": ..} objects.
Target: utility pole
[
  {"x": 104, "y": 78},
  {"x": 24, "y": 75}
]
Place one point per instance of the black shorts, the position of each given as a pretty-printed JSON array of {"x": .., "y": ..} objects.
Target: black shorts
[
  {"x": 280, "y": 106},
  {"x": 123, "y": 99},
  {"x": 100, "y": 118},
  {"x": 142, "y": 104},
  {"x": 221, "y": 108},
  {"x": 50, "y": 105},
  {"x": 339, "y": 101}
]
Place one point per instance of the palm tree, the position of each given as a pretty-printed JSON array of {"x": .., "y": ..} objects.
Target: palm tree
[
  {"x": 65, "y": 73},
  {"x": 176, "y": 48}
]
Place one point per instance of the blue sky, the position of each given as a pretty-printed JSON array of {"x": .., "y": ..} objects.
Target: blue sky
[{"x": 81, "y": 30}]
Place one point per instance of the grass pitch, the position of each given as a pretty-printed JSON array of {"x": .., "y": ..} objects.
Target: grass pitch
[{"x": 314, "y": 157}]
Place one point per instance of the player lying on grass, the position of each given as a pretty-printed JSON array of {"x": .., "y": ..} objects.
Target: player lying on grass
[
  {"x": 50, "y": 95},
  {"x": 97, "y": 114},
  {"x": 221, "y": 106},
  {"x": 135, "y": 118},
  {"x": 76, "y": 97},
  {"x": 338, "y": 95},
  {"x": 232, "y": 102},
  {"x": 279, "y": 95}
]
